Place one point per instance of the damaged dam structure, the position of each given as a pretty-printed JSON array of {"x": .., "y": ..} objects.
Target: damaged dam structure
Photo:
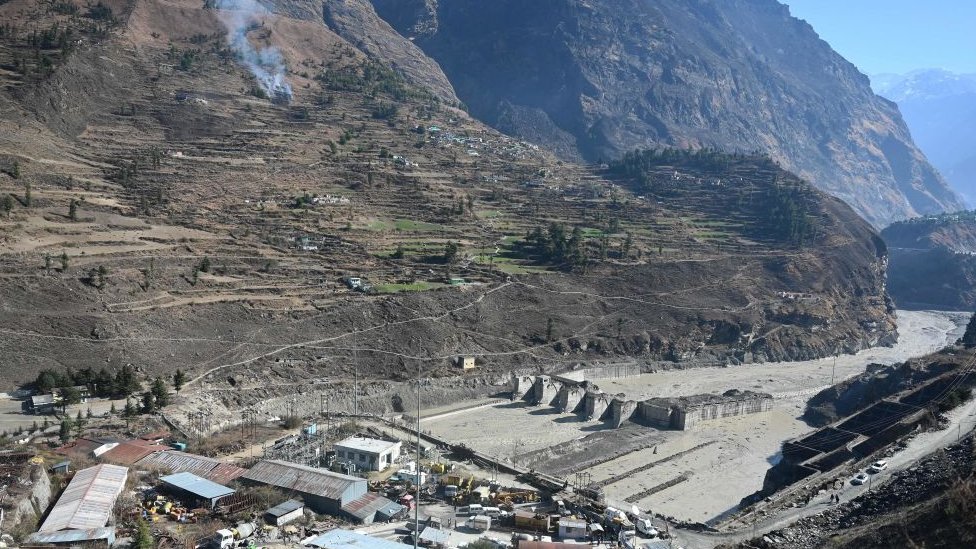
[{"x": 675, "y": 413}]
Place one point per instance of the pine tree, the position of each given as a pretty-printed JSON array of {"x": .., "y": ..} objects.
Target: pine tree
[
  {"x": 179, "y": 378},
  {"x": 65, "y": 431},
  {"x": 148, "y": 402},
  {"x": 73, "y": 210},
  {"x": 64, "y": 261},
  {"x": 130, "y": 409},
  {"x": 143, "y": 538},
  {"x": 47, "y": 263},
  {"x": 159, "y": 393},
  {"x": 7, "y": 203}
]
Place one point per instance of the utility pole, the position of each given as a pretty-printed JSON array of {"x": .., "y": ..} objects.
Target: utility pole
[
  {"x": 416, "y": 508},
  {"x": 832, "y": 371},
  {"x": 356, "y": 393}
]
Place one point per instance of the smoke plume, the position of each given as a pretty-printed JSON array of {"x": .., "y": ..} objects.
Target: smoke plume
[{"x": 266, "y": 64}]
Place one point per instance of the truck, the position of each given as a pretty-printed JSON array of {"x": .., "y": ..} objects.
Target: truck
[
  {"x": 228, "y": 537},
  {"x": 479, "y": 522},
  {"x": 644, "y": 526}
]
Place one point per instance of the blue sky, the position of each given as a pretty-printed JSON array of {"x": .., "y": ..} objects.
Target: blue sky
[{"x": 881, "y": 36}]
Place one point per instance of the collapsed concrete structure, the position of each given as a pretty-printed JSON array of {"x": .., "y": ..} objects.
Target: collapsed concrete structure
[{"x": 680, "y": 413}]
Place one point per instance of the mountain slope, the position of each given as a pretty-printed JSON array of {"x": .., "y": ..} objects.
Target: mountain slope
[
  {"x": 597, "y": 78},
  {"x": 940, "y": 109},
  {"x": 933, "y": 261},
  {"x": 182, "y": 199}
]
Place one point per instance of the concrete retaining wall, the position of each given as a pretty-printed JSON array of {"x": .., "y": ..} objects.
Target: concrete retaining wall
[
  {"x": 690, "y": 417},
  {"x": 521, "y": 386},
  {"x": 595, "y": 404},
  {"x": 544, "y": 390},
  {"x": 621, "y": 411}
]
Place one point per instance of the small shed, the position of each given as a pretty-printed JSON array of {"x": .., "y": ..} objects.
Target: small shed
[
  {"x": 572, "y": 529},
  {"x": 197, "y": 488},
  {"x": 466, "y": 362},
  {"x": 285, "y": 512},
  {"x": 61, "y": 467}
]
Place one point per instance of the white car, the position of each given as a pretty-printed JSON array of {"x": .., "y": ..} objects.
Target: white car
[
  {"x": 878, "y": 466},
  {"x": 859, "y": 478}
]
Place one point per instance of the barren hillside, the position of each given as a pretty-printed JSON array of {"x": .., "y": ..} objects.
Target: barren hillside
[{"x": 174, "y": 205}]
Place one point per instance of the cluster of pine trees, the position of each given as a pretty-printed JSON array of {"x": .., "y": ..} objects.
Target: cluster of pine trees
[
  {"x": 101, "y": 383},
  {"x": 555, "y": 247}
]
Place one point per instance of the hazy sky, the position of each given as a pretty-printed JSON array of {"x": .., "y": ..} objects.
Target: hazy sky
[{"x": 881, "y": 36}]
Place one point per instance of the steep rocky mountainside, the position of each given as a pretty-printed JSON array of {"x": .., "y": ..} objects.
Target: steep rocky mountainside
[
  {"x": 929, "y": 506},
  {"x": 593, "y": 79},
  {"x": 188, "y": 186},
  {"x": 940, "y": 109},
  {"x": 933, "y": 261}
]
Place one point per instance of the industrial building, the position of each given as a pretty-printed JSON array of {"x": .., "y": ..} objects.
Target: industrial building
[
  {"x": 84, "y": 510},
  {"x": 196, "y": 489},
  {"x": 367, "y": 454},
  {"x": 323, "y": 491}
]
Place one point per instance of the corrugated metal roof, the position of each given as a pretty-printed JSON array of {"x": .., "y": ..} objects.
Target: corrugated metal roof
[
  {"x": 365, "y": 506},
  {"x": 346, "y": 539},
  {"x": 179, "y": 462},
  {"x": 389, "y": 510},
  {"x": 82, "y": 447},
  {"x": 197, "y": 486},
  {"x": 70, "y": 536},
  {"x": 224, "y": 473},
  {"x": 300, "y": 478},
  {"x": 435, "y": 535},
  {"x": 176, "y": 461},
  {"x": 88, "y": 500},
  {"x": 129, "y": 452},
  {"x": 284, "y": 508}
]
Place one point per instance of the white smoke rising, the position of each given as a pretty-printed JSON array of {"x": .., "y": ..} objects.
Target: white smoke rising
[{"x": 266, "y": 64}]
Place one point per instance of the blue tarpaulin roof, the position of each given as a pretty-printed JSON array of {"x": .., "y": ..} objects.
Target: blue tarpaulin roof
[{"x": 197, "y": 486}]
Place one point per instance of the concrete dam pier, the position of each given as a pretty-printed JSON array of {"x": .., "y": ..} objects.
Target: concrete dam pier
[{"x": 679, "y": 413}]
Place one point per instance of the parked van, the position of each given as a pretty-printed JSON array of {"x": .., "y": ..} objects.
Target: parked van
[
  {"x": 476, "y": 509},
  {"x": 492, "y": 511},
  {"x": 479, "y": 522}
]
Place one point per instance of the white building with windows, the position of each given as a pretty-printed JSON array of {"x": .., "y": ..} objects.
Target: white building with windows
[{"x": 367, "y": 454}]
